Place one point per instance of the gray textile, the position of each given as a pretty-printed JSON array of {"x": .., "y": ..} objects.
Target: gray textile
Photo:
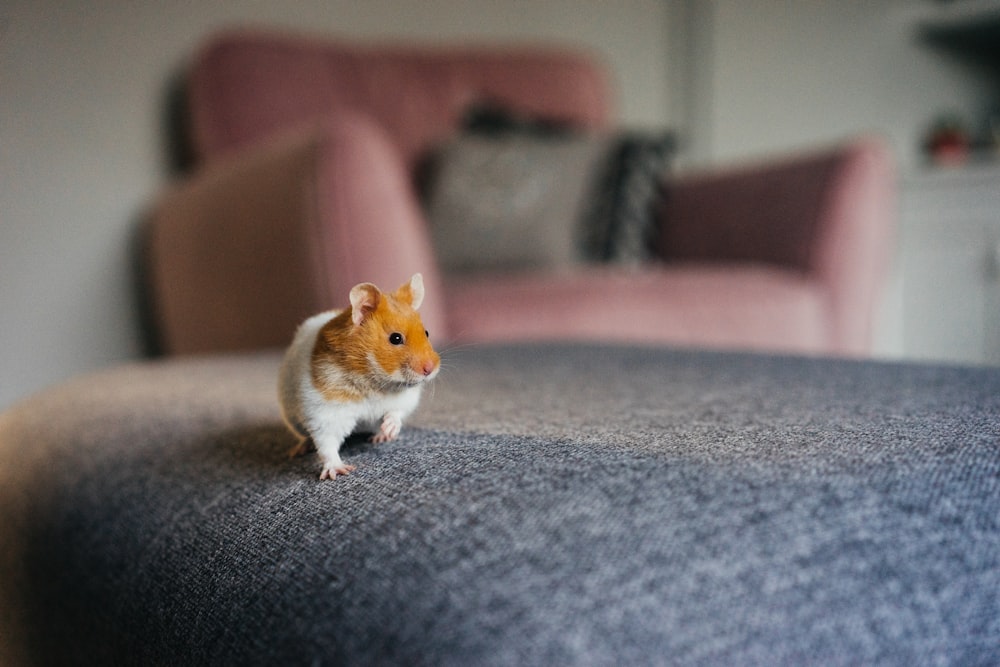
[{"x": 546, "y": 506}]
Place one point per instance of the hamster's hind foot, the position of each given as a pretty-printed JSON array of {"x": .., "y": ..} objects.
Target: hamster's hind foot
[{"x": 304, "y": 446}]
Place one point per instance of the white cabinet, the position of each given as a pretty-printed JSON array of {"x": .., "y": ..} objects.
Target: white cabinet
[{"x": 945, "y": 296}]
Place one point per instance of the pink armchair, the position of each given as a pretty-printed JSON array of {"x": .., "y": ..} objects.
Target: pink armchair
[{"x": 306, "y": 152}]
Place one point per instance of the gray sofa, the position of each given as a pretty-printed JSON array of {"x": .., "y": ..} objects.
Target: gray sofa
[{"x": 547, "y": 505}]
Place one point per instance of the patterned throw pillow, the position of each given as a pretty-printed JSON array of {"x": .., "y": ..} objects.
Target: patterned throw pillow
[
  {"x": 620, "y": 224},
  {"x": 510, "y": 193},
  {"x": 512, "y": 202}
]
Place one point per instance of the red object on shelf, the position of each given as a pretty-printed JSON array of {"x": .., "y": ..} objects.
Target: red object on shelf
[{"x": 948, "y": 143}]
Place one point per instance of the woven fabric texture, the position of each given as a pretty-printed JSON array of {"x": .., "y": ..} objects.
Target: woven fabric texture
[{"x": 547, "y": 505}]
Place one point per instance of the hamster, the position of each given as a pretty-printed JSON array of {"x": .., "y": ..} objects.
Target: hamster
[{"x": 361, "y": 368}]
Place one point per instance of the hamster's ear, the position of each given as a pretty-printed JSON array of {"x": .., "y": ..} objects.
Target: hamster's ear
[
  {"x": 364, "y": 301},
  {"x": 412, "y": 292}
]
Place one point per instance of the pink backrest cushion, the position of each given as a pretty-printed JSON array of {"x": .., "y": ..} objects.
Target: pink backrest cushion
[
  {"x": 764, "y": 215},
  {"x": 246, "y": 85}
]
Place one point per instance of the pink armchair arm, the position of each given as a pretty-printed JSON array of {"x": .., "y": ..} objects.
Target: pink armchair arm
[
  {"x": 243, "y": 251},
  {"x": 828, "y": 215}
]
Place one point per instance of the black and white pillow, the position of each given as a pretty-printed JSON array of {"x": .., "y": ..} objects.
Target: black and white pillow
[
  {"x": 512, "y": 202},
  {"x": 511, "y": 193},
  {"x": 620, "y": 224}
]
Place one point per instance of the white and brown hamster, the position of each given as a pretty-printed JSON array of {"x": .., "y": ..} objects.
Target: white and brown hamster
[{"x": 361, "y": 368}]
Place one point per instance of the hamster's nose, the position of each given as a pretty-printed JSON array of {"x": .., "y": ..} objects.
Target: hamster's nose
[{"x": 428, "y": 367}]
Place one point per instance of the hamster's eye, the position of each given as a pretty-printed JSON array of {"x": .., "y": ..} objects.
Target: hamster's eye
[
  {"x": 426, "y": 334},
  {"x": 396, "y": 338}
]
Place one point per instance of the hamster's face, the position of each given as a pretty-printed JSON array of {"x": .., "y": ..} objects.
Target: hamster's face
[{"x": 401, "y": 349}]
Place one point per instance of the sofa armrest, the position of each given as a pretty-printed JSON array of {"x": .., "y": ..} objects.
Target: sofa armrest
[
  {"x": 247, "y": 248},
  {"x": 828, "y": 215},
  {"x": 855, "y": 241}
]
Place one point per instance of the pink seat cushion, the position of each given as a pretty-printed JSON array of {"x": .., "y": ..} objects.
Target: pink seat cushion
[{"x": 720, "y": 306}]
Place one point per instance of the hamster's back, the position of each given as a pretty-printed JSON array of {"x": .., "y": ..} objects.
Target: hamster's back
[{"x": 294, "y": 369}]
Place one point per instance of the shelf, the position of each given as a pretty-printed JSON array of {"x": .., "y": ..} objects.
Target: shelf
[
  {"x": 969, "y": 28},
  {"x": 984, "y": 160}
]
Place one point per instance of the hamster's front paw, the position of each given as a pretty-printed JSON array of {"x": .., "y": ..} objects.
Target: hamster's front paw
[
  {"x": 389, "y": 429},
  {"x": 334, "y": 468}
]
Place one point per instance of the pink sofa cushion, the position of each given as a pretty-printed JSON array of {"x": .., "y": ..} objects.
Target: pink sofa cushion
[
  {"x": 720, "y": 306},
  {"x": 242, "y": 254},
  {"x": 248, "y": 85},
  {"x": 766, "y": 215}
]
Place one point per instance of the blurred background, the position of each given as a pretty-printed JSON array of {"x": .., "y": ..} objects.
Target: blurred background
[{"x": 85, "y": 92}]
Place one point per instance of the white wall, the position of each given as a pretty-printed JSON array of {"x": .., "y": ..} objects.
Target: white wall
[
  {"x": 82, "y": 150},
  {"x": 776, "y": 75}
]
